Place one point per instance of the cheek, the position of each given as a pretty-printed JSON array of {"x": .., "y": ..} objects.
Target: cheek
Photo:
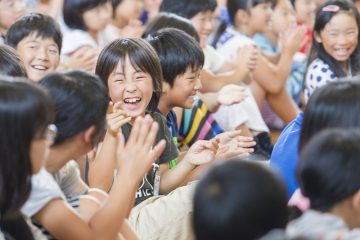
[
  {"x": 115, "y": 92},
  {"x": 54, "y": 61}
]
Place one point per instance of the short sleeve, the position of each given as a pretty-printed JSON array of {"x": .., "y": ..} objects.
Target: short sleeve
[
  {"x": 68, "y": 178},
  {"x": 213, "y": 60},
  {"x": 43, "y": 190}
]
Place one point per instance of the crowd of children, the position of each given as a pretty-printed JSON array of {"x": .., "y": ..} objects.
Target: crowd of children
[{"x": 151, "y": 119}]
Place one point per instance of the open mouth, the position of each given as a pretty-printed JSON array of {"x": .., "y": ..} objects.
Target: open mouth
[
  {"x": 133, "y": 100},
  {"x": 39, "y": 67},
  {"x": 342, "y": 52}
]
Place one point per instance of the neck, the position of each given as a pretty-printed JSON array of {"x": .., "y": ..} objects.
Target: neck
[
  {"x": 345, "y": 66},
  {"x": 242, "y": 28},
  {"x": 93, "y": 34},
  {"x": 119, "y": 23},
  {"x": 345, "y": 211},
  {"x": 60, "y": 155},
  {"x": 273, "y": 37},
  {"x": 164, "y": 108}
]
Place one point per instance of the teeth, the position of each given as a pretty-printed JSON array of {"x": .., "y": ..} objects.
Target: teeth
[
  {"x": 38, "y": 67},
  {"x": 131, "y": 100}
]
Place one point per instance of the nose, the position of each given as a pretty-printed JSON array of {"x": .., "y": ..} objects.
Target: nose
[
  {"x": 198, "y": 84},
  {"x": 130, "y": 87},
  {"x": 42, "y": 54},
  {"x": 208, "y": 25},
  {"x": 342, "y": 39}
]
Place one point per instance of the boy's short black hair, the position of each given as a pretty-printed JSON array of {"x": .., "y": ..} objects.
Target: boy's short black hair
[
  {"x": 234, "y": 5},
  {"x": 81, "y": 101},
  {"x": 329, "y": 166},
  {"x": 10, "y": 62},
  {"x": 238, "y": 200},
  {"x": 187, "y": 8},
  {"x": 34, "y": 23},
  {"x": 177, "y": 52},
  {"x": 73, "y": 12}
]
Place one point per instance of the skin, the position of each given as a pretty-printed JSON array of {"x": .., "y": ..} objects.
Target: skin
[
  {"x": 97, "y": 18},
  {"x": 10, "y": 10}
]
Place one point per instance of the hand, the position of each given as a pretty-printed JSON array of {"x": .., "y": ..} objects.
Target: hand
[
  {"x": 231, "y": 94},
  {"x": 232, "y": 144},
  {"x": 83, "y": 58},
  {"x": 293, "y": 39},
  {"x": 202, "y": 152},
  {"x": 247, "y": 57},
  {"x": 135, "y": 158},
  {"x": 116, "y": 118}
]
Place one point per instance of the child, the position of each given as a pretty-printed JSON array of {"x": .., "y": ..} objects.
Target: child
[
  {"x": 26, "y": 114},
  {"x": 37, "y": 39},
  {"x": 328, "y": 107},
  {"x": 239, "y": 200},
  {"x": 10, "y": 62},
  {"x": 79, "y": 130},
  {"x": 85, "y": 21},
  {"x": 328, "y": 174},
  {"x": 10, "y": 11},
  {"x": 335, "y": 49}
]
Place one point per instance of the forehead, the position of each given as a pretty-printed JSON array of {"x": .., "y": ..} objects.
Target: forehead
[
  {"x": 207, "y": 13},
  {"x": 35, "y": 37},
  {"x": 342, "y": 20}
]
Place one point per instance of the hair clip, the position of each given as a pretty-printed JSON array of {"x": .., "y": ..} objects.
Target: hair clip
[
  {"x": 331, "y": 8},
  {"x": 152, "y": 38}
]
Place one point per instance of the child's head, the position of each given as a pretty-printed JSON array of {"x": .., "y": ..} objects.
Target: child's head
[
  {"x": 329, "y": 107},
  {"x": 336, "y": 36},
  {"x": 170, "y": 20},
  {"x": 181, "y": 60},
  {"x": 199, "y": 12},
  {"x": 126, "y": 10},
  {"x": 283, "y": 16},
  {"x": 26, "y": 111},
  {"x": 238, "y": 200},
  {"x": 37, "y": 38},
  {"x": 255, "y": 15},
  {"x": 10, "y": 62},
  {"x": 305, "y": 11},
  {"x": 10, "y": 11},
  {"x": 328, "y": 172},
  {"x": 81, "y": 101},
  {"x": 87, "y": 15},
  {"x": 131, "y": 70}
]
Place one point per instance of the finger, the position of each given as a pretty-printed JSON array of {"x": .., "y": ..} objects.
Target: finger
[
  {"x": 150, "y": 139},
  {"x": 135, "y": 131},
  {"x": 156, "y": 151},
  {"x": 144, "y": 129},
  {"x": 110, "y": 107},
  {"x": 246, "y": 144},
  {"x": 121, "y": 122},
  {"x": 117, "y": 107},
  {"x": 245, "y": 139}
]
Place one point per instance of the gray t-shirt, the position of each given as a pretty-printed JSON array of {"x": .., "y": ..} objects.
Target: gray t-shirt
[{"x": 146, "y": 188}]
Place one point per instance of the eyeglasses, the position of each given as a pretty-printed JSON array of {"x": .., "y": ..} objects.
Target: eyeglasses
[{"x": 51, "y": 133}]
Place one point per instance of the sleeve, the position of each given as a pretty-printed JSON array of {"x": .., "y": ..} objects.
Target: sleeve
[
  {"x": 213, "y": 60},
  {"x": 171, "y": 152},
  {"x": 43, "y": 190}
]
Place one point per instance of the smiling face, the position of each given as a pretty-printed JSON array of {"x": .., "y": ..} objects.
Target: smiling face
[
  {"x": 40, "y": 56},
  {"x": 203, "y": 23},
  {"x": 339, "y": 37},
  {"x": 97, "y": 18},
  {"x": 131, "y": 87},
  {"x": 184, "y": 89},
  {"x": 260, "y": 18},
  {"x": 283, "y": 16}
]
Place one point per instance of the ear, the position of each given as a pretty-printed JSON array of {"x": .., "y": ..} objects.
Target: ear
[
  {"x": 317, "y": 37},
  {"x": 241, "y": 17},
  {"x": 356, "y": 201},
  {"x": 88, "y": 134},
  {"x": 165, "y": 87}
]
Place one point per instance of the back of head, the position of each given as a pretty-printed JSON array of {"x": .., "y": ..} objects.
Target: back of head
[
  {"x": 73, "y": 12},
  {"x": 329, "y": 166},
  {"x": 10, "y": 62},
  {"x": 329, "y": 107},
  {"x": 238, "y": 200},
  {"x": 187, "y": 8},
  {"x": 34, "y": 23},
  {"x": 170, "y": 20},
  {"x": 177, "y": 52},
  {"x": 234, "y": 5},
  {"x": 324, "y": 14},
  {"x": 81, "y": 101},
  {"x": 25, "y": 112}
]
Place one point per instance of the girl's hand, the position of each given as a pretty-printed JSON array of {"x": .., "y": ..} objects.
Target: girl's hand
[
  {"x": 231, "y": 94},
  {"x": 202, "y": 152},
  {"x": 232, "y": 144},
  {"x": 116, "y": 118},
  {"x": 293, "y": 39},
  {"x": 246, "y": 57},
  {"x": 135, "y": 158},
  {"x": 83, "y": 58}
]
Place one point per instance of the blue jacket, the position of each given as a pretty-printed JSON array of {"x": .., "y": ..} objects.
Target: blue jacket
[{"x": 285, "y": 153}]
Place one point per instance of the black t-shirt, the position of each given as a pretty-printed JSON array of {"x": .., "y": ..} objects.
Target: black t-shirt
[{"x": 146, "y": 188}]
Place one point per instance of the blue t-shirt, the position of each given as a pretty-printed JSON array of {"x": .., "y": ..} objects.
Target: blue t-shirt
[{"x": 285, "y": 154}]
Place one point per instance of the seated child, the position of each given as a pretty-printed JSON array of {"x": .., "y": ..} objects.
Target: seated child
[
  {"x": 328, "y": 174},
  {"x": 239, "y": 200},
  {"x": 37, "y": 39},
  {"x": 10, "y": 11}
]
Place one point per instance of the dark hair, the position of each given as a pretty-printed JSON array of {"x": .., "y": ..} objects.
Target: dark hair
[
  {"x": 114, "y": 4},
  {"x": 34, "y": 23},
  {"x": 25, "y": 112},
  {"x": 317, "y": 49},
  {"x": 10, "y": 62},
  {"x": 187, "y": 8},
  {"x": 142, "y": 56},
  {"x": 73, "y": 11},
  {"x": 328, "y": 169},
  {"x": 177, "y": 52},
  {"x": 234, "y": 5},
  {"x": 329, "y": 107},
  {"x": 81, "y": 101},
  {"x": 238, "y": 200},
  {"x": 170, "y": 20}
]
